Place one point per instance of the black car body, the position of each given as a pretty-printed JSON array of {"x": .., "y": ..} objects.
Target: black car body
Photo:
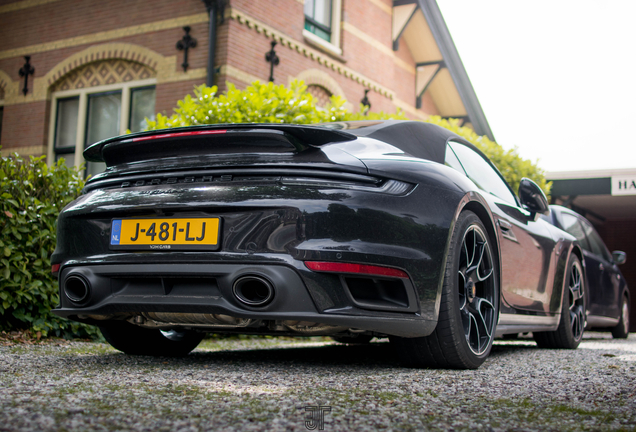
[
  {"x": 355, "y": 229},
  {"x": 608, "y": 295}
]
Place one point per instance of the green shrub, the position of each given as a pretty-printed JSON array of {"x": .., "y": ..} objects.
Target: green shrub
[
  {"x": 258, "y": 103},
  {"x": 32, "y": 196},
  {"x": 269, "y": 103}
]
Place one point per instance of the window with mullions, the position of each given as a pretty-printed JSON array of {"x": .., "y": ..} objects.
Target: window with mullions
[
  {"x": 83, "y": 117},
  {"x": 318, "y": 18}
]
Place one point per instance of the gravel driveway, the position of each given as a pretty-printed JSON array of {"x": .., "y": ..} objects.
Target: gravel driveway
[{"x": 266, "y": 384}]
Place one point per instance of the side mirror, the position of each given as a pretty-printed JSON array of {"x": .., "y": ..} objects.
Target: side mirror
[
  {"x": 532, "y": 198},
  {"x": 619, "y": 257}
]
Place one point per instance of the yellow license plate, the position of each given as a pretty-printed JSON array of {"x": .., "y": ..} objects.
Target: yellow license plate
[{"x": 165, "y": 233}]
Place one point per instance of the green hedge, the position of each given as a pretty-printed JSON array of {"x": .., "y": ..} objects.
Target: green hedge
[
  {"x": 260, "y": 103},
  {"x": 32, "y": 196}
]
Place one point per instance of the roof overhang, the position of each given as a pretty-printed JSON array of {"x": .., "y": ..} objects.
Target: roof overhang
[{"x": 439, "y": 69}]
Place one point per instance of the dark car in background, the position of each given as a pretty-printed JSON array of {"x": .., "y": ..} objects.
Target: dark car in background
[
  {"x": 352, "y": 230},
  {"x": 608, "y": 295}
]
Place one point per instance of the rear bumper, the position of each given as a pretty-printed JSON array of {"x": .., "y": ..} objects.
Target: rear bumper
[{"x": 129, "y": 290}]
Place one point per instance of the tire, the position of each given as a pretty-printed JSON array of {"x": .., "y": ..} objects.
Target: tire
[
  {"x": 621, "y": 331},
  {"x": 570, "y": 331},
  {"x": 469, "y": 306},
  {"x": 353, "y": 339},
  {"x": 135, "y": 340}
]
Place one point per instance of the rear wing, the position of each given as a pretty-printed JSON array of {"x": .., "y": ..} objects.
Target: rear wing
[{"x": 212, "y": 139}]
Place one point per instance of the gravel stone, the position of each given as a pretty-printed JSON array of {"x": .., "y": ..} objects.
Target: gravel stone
[{"x": 268, "y": 383}]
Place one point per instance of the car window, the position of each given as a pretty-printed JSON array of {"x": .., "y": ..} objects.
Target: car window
[
  {"x": 451, "y": 160},
  {"x": 596, "y": 243},
  {"x": 481, "y": 173},
  {"x": 572, "y": 226}
]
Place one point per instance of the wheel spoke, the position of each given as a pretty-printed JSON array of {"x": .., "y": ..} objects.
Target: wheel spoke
[
  {"x": 487, "y": 272},
  {"x": 470, "y": 258},
  {"x": 576, "y": 294},
  {"x": 472, "y": 332},
  {"x": 577, "y": 321},
  {"x": 462, "y": 290},
  {"x": 482, "y": 312},
  {"x": 575, "y": 286},
  {"x": 465, "y": 246}
]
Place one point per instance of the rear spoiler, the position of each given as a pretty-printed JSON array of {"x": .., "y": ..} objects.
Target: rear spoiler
[{"x": 219, "y": 138}]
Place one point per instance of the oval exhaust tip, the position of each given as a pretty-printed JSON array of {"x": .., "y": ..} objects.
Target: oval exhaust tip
[
  {"x": 253, "y": 291},
  {"x": 76, "y": 288}
]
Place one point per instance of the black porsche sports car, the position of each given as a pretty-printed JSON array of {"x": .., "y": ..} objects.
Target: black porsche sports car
[
  {"x": 359, "y": 229},
  {"x": 608, "y": 295}
]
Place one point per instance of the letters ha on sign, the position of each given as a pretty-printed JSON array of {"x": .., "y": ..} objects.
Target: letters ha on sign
[{"x": 624, "y": 185}]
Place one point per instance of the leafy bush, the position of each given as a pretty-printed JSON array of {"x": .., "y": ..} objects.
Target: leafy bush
[
  {"x": 269, "y": 103},
  {"x": 32, "y": 196},
  {"x": 259, "y": 103}
]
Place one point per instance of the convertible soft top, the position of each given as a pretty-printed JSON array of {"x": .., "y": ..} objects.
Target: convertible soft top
[{"x": 419, "y": 139}]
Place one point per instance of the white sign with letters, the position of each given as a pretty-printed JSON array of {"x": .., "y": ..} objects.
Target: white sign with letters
[{"x": 624, "y": 185}]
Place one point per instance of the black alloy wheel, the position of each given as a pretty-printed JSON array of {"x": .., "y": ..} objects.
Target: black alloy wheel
[
  {"x": 476, "y": 294},
  {"x": 469, "y": 308},
  {"x": 572, "y": 324},
  {"x": 621, "y": 331},
  {"x": 135, "y": 340}
]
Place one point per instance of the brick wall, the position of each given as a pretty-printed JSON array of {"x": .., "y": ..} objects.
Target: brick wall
[
  {"x": 68, "y": 27},
  {"x": 25, "y": 125}
]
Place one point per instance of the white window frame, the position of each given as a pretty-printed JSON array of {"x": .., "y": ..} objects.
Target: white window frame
[
  {"x": 334, "y": 45},
  {"x": 126, "y": 91}
]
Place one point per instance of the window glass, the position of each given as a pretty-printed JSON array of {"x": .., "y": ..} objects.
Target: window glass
[
  {"x": 596, "y": 243},
  {"x": 481, "y": 173},
  {"x": 451, "y": 160},
  {"x": 142, "y": 105},
  {"x": 66, "y": 130},
  {"x": 66, "y": 127},
  {"x": 572, "y": 226},
  {"x": 318, "y": 18},
  {"x": 104, "y": 114}
]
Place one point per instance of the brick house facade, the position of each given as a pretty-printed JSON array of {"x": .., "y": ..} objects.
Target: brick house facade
[{"x": 93, "y": 59}]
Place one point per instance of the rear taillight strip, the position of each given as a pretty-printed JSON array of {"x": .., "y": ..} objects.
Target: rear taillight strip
[
  {"x": 178, "y": 135},
  {"x": 365, "y": 269}
]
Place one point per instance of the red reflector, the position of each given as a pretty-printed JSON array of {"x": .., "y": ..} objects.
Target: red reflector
[
  {"x": 179, "y": 134},
  {"x": 323, "y": 266},
  {"x": 55, "y": 268}
]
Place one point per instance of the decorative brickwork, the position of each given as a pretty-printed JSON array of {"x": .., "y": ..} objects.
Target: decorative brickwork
[
  {"x": 320, "y": 94},
  {"x": 114, "y": 51},
  {"x": 321, "y": 79},
  {"x": 102, "y": 73}
]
